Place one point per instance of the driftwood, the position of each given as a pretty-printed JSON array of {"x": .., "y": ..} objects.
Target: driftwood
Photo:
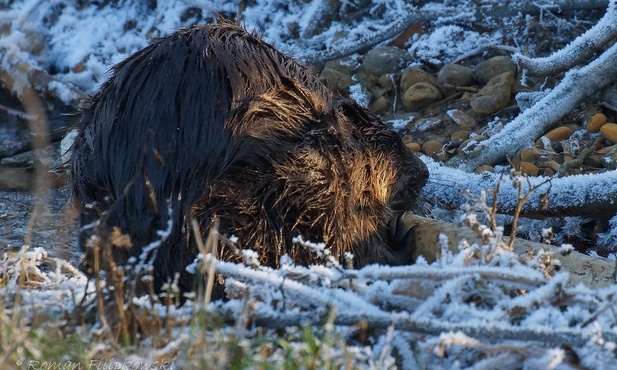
[
  {"x": 592, "y": 271},
  {"x": 576, "y": 195},
  {"x": 418, "y": 288}
]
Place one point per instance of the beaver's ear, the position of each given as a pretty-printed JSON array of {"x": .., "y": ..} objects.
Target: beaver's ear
[
  {"x": 361, "y": 117},
  {"x": 369, "y": 125}
]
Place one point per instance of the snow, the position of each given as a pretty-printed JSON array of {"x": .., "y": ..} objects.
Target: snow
[
  {"x": 576, "y": 85},
  {"x": 571, "y": 191},
  {"x": 596, "y": 37},
  {"x": 446, "y": 43},
  {"x": 359, "y": 94}
]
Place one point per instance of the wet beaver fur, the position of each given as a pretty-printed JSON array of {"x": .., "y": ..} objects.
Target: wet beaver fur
[{"x": 211, "y": 120}]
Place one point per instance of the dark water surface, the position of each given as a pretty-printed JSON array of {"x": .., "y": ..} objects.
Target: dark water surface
[{"x": 54, "y": 229}]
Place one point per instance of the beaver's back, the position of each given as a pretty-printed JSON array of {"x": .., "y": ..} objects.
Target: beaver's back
[{"x": 212, "y": 121}]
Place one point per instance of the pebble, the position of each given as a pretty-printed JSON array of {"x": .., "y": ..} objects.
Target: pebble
[
  {"x": 461, "y": 118},
  {"x": 420, "y": 95},
  {"x": 608, "y": 149},
  {"x": 529, "y": 169},
  {"x": 528, "y": 154},
  {"x": 560, "y": 133},
  {"x": 456, "y": 75},
  {"x": 386, "y": 81},
  {"x": 336, "y": 80},
  {"x": 36, "y": 41},
  {"x": 548, "y": 172},
  {"x": 347, "y": 65},
  {"x": 554, "y": 166},
  {"x": 596, "y": 122},
  {"x": 387, "y": 59},
  {"x": 78, "y": 68},
  {"x": 413, "y": 75},
  {"x": 484, "y": 168},
  {"x": 594, "y": 160},
  {"x": 609, "y": 131},
  {"x": 378, "y": 105},
  {"x": 460, "y": 135},
  {"x": 493, "y": 67},
  {"x": 494, "y": 96},
  {"x": 414, "y": 147},
  {"x": 432, "y": 147},
  {"x": 610, "y": 162}
]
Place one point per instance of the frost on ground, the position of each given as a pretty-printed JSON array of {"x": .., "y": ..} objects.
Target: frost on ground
[{"x": 481, "y": 307}]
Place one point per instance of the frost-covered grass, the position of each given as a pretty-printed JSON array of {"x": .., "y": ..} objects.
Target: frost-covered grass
[
  {"x": 44, "y": 324},
  {"x": 476, "y": 308}
]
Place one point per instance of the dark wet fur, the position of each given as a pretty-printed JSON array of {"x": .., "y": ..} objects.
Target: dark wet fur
[{"x": 213, "y": 121}]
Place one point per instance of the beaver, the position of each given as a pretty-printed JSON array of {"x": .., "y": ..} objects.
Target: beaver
[{"x": 211, "y": 121}]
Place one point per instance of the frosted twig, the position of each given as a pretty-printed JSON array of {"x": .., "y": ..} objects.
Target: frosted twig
[
  {"x": 387, "y": 273},
  {"x": 576, "y": 195},
  {"x": 294, "y": 290},
  {"x": 578, "y": 51},
  {"x": 395, "y": 27},
  {"x": 563, "y": 170},
  {"x": 573, "y": 337},
  {"x": 576, "y": 86}
]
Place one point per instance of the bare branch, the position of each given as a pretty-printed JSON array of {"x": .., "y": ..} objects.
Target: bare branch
[
  {"x": 578, "y": 51},
  {"x": 395, "y": 27},
  {"x": 532, "y": 123},
  {"x": 576, "y": 195}
]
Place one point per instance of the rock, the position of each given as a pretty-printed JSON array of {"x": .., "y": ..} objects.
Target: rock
[
  {"x": 610, "y": 162},
  {"x": 548, "y": 172},
  {"x": 336, "y": 80},
  {"x": 379, "y": 105},
  {"x": 489, "y": 69},
  {"x": 413, "y": 75},
  {"x": 484, "y": 168},
  {"x": 560, "y": 133},
  {"x": 79, "y": 67},
  {"x": 609, "y": 131},
  {"x": 347, "y": 65},
  {"x": 460, "y": 135},
  {"x": 470, "y": 143},
  {"x": 494, "y": 96},
  {"x": 414, "y": 147},
  {"x": 456, "y": 75},
  {"x": 386, "y": 81},
  {"x": 461, "y": 118},
  {"x": 420, "y": 95},
  {"x": 608, "y": 150},
  {"x": 529, "y": 169},
  {"x": 528, "y": 154},
  {"x": 551, "y": 164},
  {"x": 432, "y": 147},
  {"x": 426, "y": 124},
  {"x": 385, "y": 60},
  {"x": 596, "y": 122},
  {"x": 369, "y": 81}
]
